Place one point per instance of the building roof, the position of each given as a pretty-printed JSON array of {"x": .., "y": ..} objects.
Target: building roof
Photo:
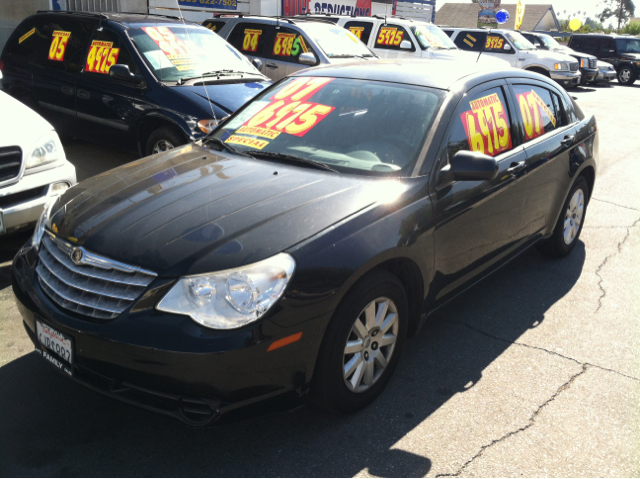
[{"x": 536, "y": 17}]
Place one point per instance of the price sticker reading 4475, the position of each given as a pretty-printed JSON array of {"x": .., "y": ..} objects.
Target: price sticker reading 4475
[{"x": 486, "y": 125}]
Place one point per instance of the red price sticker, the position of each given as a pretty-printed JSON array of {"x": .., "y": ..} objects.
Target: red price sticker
[
  {"x": 357, "y": 31},
  {"x": 179, "y": 52},
  {"x": 486, "y": 126},
  {"x": 101, "y": 57},
  {"x": 531, "y": 108},
  {"x": 284, "y": 44},
  {"x": 58, "y": 45},
  {"x": 494, "y": 43},
  {"x": 390, "y": 36},
  {"x": 251, "y": 39}
]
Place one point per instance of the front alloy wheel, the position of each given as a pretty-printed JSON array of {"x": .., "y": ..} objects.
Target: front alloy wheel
[
  {"x": 162, "y": 145},
  {"x": 573, "y": 216},
  {"x": 626, "y": 76}
]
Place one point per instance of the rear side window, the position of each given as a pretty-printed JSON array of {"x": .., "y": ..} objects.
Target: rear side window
[
  {"x": 481, "y": 123},
  {"x": 107, "y": 48},
  {"x": 539, "y": 110},
  {"x": 389, "y": 37},
  {"x": 252, "y": 38},
  {"x": 497, "y": 44},
  {"x": 472, "y": 41},
  {"x": 214, "y": 25},
  {"x": 362, "y": 30}
]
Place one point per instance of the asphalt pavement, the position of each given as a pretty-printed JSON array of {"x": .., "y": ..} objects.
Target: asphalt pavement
[{"x": 533, "y": 372}]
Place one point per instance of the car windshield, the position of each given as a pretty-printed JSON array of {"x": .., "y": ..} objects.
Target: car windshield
[
  {"x": 178, "y": 52},
  {"x": 550, "y": 42},
  {"x": 519, "y": 41},
  {"x": 628, "y": 45},
  {"x": 336, "y": 42},
  {"x": 352, "y": 126},
  {"x": 430, "y": 36}
]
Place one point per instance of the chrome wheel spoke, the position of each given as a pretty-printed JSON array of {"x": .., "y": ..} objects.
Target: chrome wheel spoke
[
  {"x": 388, "y": 322},
  {"x": 370, "y": 315},
  {"x": 381, "y": 313},
  {"x": 352, "y": 365},
  {"x": 359, "y": 329},
  {"x": 380, "y": 360},
  {"x": 386, "y": 340},
  {"x": 353, "y": 347},
  {"x": 357, "y": 376}
]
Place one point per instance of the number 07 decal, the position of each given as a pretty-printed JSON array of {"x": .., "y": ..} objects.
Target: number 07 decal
[
  {"x": 487, "y": 126},
  {"x": 531, "y": 108}
]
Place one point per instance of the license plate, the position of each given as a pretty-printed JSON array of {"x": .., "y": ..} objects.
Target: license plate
[
  {"x": 57, "y": 347},
  {"x": 2, "y": 227}
]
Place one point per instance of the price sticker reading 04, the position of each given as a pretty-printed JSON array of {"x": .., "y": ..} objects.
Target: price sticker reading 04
[
  {"x": 531, "y": 108},
  {"x": 179, "y": 52},
  {"x": 290, "y": 111},
  {"x": 101, "y": 57},
  {"x": 357, "y": 31},
  {"x": 486, "y": 126},
  {"x": 251, "y": 39},
  {"x": 390, "y": 36},
  {"x": 58, "y": 45},
  {"x": 495, "y": 43}
]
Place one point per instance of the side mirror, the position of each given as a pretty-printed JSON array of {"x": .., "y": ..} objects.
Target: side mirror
[
  {"x": 506, "y": 47},
  {"x": 470, "y": 166},
  {"x": 122, "y": 72},
  {"x": 405, "y": 45},
  {"x": 256, "y": 62},
  {"x": 308, "y": 59}
]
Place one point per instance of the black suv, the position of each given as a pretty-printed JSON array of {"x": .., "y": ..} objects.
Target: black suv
[
  {"x": 588, "y": 63},
  {"x": 133, "y": 81},
  {"x": 622, "y": 51}
]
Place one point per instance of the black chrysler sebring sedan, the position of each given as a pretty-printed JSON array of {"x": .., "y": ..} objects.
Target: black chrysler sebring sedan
[{"x": 295, "y": 248}]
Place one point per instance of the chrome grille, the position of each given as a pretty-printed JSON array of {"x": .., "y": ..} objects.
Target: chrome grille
[
  {"x": 10, "y": 163},
  {"x": 593, "y": 62},
  {"x": 574, "y": 66},
  {"x": 93, "y": 286}
]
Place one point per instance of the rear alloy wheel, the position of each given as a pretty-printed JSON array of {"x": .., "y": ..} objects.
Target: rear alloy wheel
[
  {"x": 362, "y": 344},
  {"x": 626, "y": 75},
  {"x": 163, "y": 139}
]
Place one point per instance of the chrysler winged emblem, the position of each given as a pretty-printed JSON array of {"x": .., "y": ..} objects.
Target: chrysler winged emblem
[{"x": 76, "y": 255}]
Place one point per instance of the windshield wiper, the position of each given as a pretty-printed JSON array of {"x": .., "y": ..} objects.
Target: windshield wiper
[
  {"x": 225, "y": 146},
  {"x": 291, "y": 159},
  {"x": 215, "y": 73}
]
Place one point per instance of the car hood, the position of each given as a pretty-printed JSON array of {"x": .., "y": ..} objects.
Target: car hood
[
  {"x": 572, "y": 52},
  {"x": 549, "y": 55},
  {"x": 486, "y": 60},
  {"x": 631, "y": 56},
  {"x": 192, "y": 210},
  {"x": 226, "y": 96}
]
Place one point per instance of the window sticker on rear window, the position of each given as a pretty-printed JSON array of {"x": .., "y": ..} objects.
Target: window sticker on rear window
[
  {"x": 58, "y": 45},
  {"x": 486, "y": 125},
  {"x": 251, "y": 39},
  {"x": 494, "y": 43},
  {"x": 179, "y": 52},
  {"x": 101, "y": 56},
  {"x": 532, "y": 107},
  {"x": 390, "y": 36},
  {"x": 357, "y": 31},
  {"x": 288, "y": 111},
  {"x": 27, "y": 35}
]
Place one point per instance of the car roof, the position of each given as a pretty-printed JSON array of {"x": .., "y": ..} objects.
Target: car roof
[
  {"x": 441, "y": 74},
  {"x": 268, "y": 19},
  {"x": 125, "y": 19},
  {"x": 361, "y": 18}
]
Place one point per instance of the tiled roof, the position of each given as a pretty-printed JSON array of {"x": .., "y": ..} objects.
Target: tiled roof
[{"x": 466, "y": 15}]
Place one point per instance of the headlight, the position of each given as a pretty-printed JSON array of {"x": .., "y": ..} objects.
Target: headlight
[
  {"x": 207, "y": 126},
  {"x": 561, "y": 66},
  {"x": 47, "y": 150},
  {"x": 42, "y": 222},
  {"x": 231, "y": 298}
]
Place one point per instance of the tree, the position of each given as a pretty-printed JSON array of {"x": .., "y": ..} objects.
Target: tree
[
  {"x": 632, "y": 28},
  {"x": 623, "y": 10}
]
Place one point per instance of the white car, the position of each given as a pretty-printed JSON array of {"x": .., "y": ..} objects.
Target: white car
[
  {"x": 403, "y": 38},
  {"x": 518, "y": 51},
  {"x": 33, "y": 166}
]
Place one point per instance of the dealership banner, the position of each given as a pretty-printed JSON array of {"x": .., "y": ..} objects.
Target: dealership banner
[
  {"x": 340, "y": 7},
  {"x": 217, "y": 4}
]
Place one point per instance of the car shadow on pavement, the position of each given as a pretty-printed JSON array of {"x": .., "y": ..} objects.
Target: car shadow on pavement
[{"x": 51, "y": 426}]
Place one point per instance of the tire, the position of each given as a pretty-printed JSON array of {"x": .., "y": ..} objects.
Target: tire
[
  {"x": 163, "y": 139},
  {"x": 626, "y": 75},
  {"x": 567, "y": 230},
  {"x": 331, "y": 388}
]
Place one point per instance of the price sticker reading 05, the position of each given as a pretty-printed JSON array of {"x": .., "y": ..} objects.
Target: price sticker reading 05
[
  {"x": 58, "y": 45},
  {"x": 486, "y": 126},
  {"x": 390, "y": 36},
  {"x": 251, "y": 39},
  {"x": 495, "y": 43},
  {"x": 101, "y": 57},
  {"x": 289, "y": 111},
  {"x": 531, "y": 108}
]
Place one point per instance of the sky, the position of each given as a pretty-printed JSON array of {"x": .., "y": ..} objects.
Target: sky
[{"x": 571, "y": 6}]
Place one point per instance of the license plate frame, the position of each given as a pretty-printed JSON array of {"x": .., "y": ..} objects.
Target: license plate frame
[{"x": 55, "y": 346}]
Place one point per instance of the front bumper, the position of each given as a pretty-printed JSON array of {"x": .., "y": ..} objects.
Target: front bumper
[
  {"x": 21, "y": 203},
  {"x": 566, "y": 78},
  {"x": 588, "y": 74},
  {"x": 607, "y": 75},
  {"x": 169, "y": 364}
]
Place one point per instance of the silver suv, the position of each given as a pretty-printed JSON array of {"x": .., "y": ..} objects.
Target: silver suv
[{"x": 281, "y": 46}]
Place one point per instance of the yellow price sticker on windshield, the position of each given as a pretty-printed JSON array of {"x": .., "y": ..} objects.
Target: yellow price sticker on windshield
[
  {"x": 250, "y": 142},
  {"x": 266, "y": 132},
  {"x": 58, "y": 45}
]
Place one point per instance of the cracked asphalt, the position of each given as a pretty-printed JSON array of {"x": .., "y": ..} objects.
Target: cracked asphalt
[{"x": 533, "y": 372}]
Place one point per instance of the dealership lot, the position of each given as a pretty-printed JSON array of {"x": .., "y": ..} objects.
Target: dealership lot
[{"x": 535, "y": 371}]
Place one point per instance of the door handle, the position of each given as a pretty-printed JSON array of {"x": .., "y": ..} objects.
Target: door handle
[
  {"x": 568, "y": 140},
  {"x": 516, "y": 167},
  {"x": 272, "y": 65},
  {"x": 83, "y": 94},
  {"x": 67, "y": 90}
]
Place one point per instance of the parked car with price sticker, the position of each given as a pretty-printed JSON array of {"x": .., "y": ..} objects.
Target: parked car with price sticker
[
  {"x": 518, "y": 51},
  {"x": 294, "y": 249},
  {"x": 33, "y": 166},
  {"x": 397, "y": 38},
  {"x": 138, "y": 82},
  {"x": 284, "y": 46}
]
